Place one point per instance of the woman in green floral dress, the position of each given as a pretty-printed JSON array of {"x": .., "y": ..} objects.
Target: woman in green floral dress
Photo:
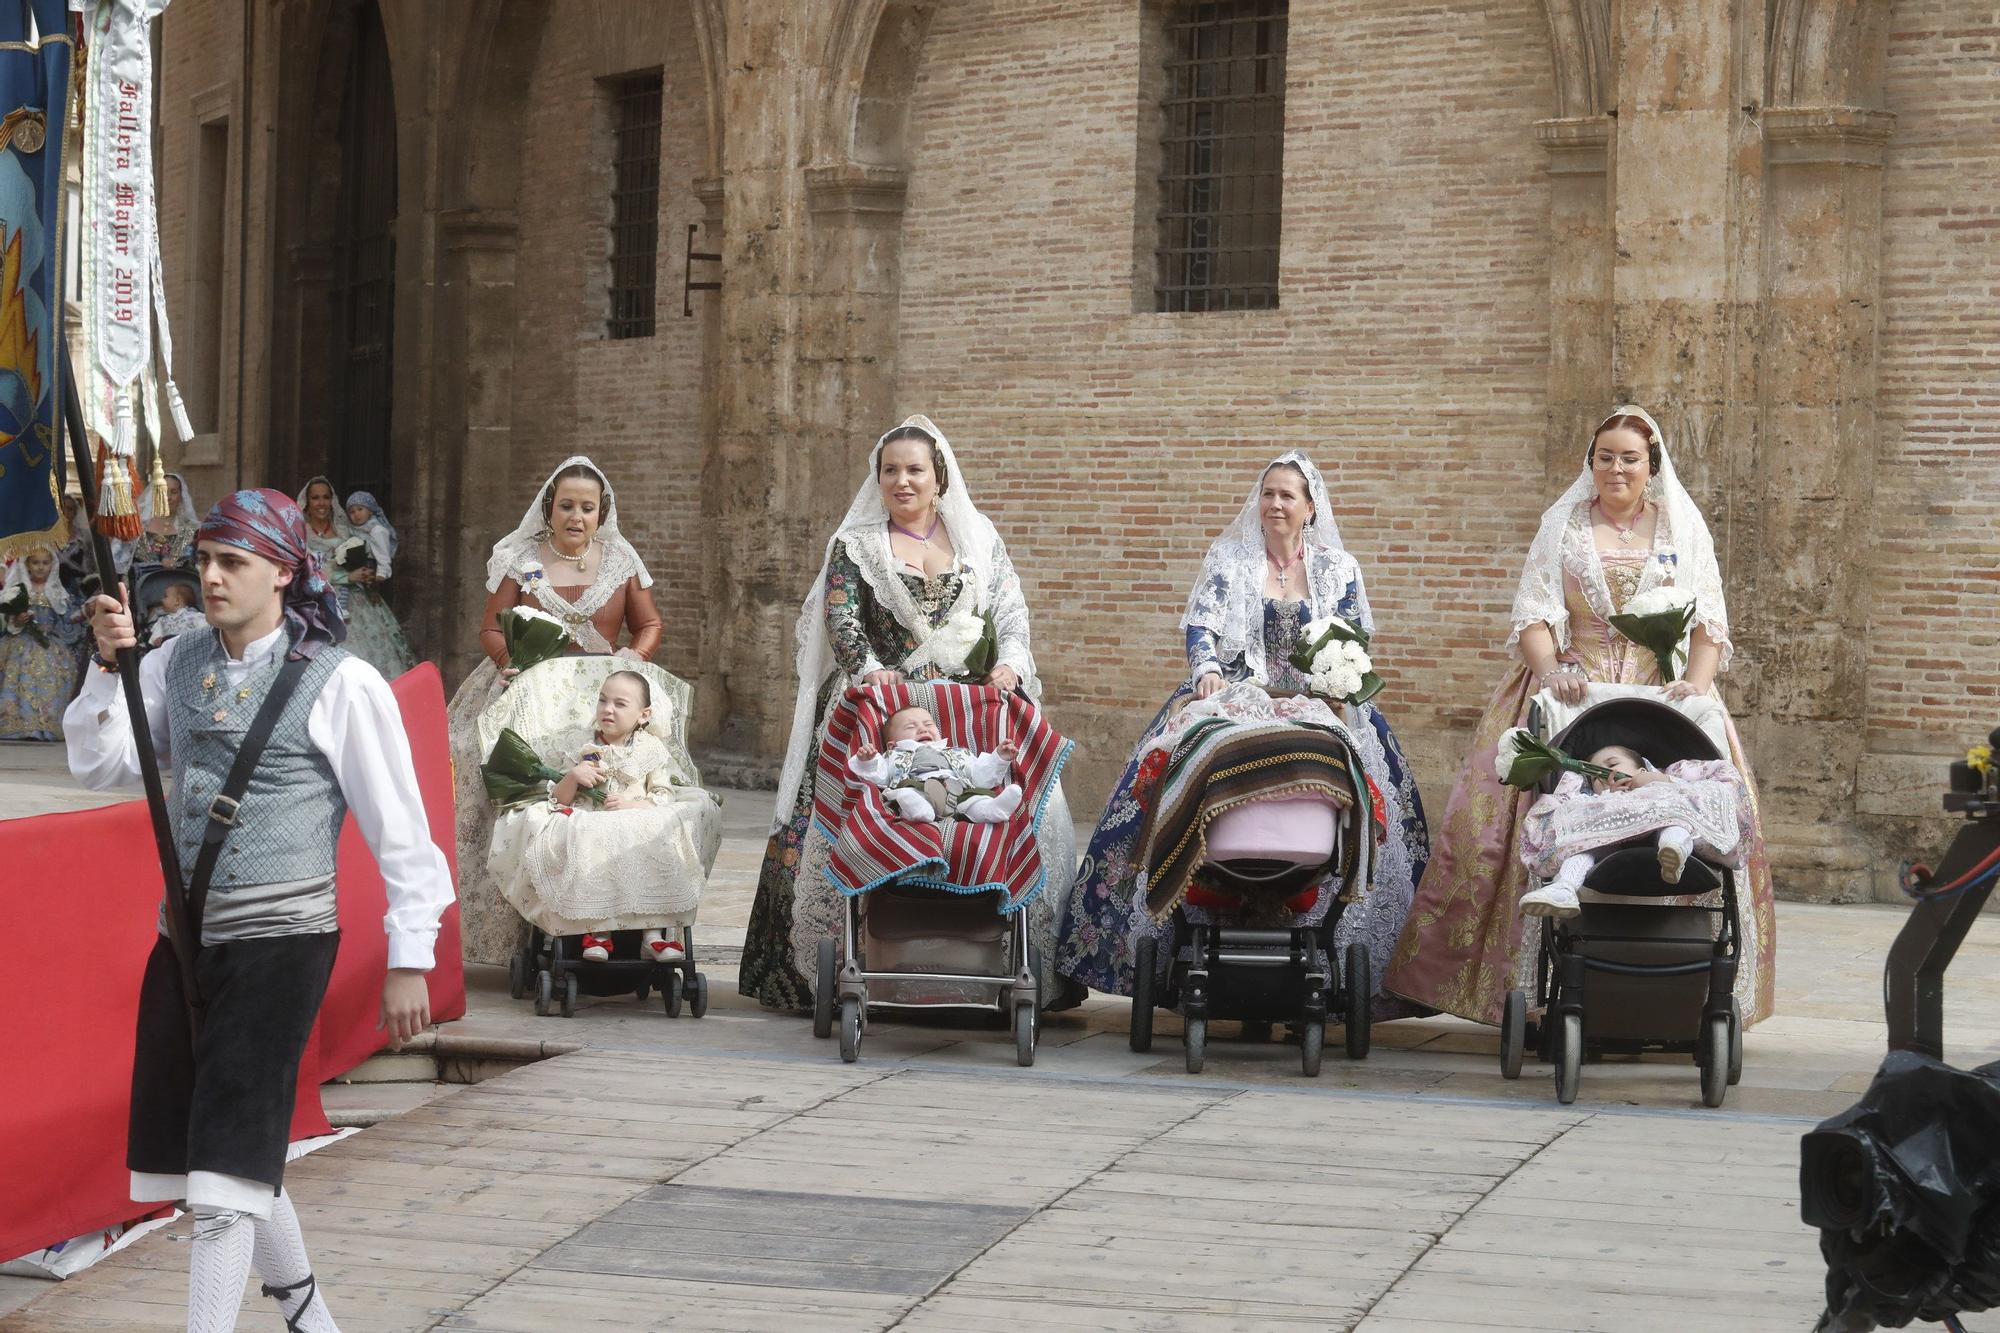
[{"x": 910, "y": 577}]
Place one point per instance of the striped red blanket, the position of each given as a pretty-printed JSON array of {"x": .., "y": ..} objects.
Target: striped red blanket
[{"x": 872, "y": 846}]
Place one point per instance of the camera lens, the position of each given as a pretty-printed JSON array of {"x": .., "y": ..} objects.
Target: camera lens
[{"x": 1837, "y": 1181}]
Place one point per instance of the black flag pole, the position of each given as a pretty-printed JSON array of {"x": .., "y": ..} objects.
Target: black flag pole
[{"x": 71, "y": 429}]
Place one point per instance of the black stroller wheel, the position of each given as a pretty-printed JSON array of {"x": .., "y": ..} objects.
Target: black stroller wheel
[
  {"x": 1735, "y": 1043},
  {"x": 823, "y": 984},
  {"x": 1569, "y": 1056},
  {"x": 1715, "y": 1060},
  {"x": 698, "y": 996},
  {"x": 644, "y": 992},
  {"x": 670, "y": 997},
  {"x": 850, "y": 1030},
  {"x": 1197, "y": 1042},
  {"x": 1144, "y": 959},
  {"x": 1358, "y": 982},
  {"x": 1312, "y": 1044},
  {"x": 517, "y": 974},
  {"x": 1025, "y": 1027},
  {"x": 569, "y": 991},
  {"x": 545, "y": 994},
  {"x": 1513, "y": 1033}
]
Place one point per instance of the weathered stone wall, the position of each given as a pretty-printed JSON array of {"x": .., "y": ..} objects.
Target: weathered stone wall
[{"x": 1408, "y": 355}]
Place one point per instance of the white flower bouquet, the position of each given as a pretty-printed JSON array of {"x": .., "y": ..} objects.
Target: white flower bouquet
[
  {"x": 1658, "y": 621},
  {"x": 532, "y": 636},
  {"x": 15, "y": 603},
  {"x": 1333, "y": 654},
  {"x": 351, "y": 556},
  {"x": 964, "y": 646},
  {"x": 1524, "y": 761}
]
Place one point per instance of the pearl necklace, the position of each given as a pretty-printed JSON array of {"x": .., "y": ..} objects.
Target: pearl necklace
[{"x": 579, "y": 557}]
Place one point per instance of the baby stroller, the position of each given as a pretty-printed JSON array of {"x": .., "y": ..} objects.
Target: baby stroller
[
  {"x": 930, "y": 903},
  {"x": 1256, "y": 837},
  {"x": 550, "y": 707},
  {"x": 1628, "y": 977},
  {"x": 148, "y": 586}
]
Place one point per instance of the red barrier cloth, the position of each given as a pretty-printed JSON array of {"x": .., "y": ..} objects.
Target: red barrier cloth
[{"x": 79, "y": 894}]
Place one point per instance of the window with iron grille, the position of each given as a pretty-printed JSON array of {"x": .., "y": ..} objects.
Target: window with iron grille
[
  {"x": 1222, "y": 150},
  {"x": 635, "y": 203}
]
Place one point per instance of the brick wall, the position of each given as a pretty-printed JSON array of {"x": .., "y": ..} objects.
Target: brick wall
[
  {"x": 1409, "y": 355},
  {"x": 634, "y": 404},
  {"x": 1934, "y": 672}
]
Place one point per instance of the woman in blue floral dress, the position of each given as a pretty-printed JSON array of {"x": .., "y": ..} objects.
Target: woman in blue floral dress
[
  {"x": 1278, "y": 565},
  {"x": 40, "y": 650}
]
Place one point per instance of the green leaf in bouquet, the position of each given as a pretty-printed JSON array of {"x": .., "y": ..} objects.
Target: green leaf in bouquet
[
  {"x": 512, "y": 767},
  {"x": 985, "y": 654},
  {"x": 1660, "y": 633},
  {"x": 1371, "y": 685},
  {"x": 1526, "y": 761},
  {"x": 532, "y": 636}
]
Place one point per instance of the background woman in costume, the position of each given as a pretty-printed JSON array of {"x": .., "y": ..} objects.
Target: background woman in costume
[
  {"x": 568, "y": 558},
  {"x": 908, "y": 574},
  {"x": 373, "y": 633},
  {"x": 41, "y": 646},
  {"x": 1278, "y": 565},
  {"x": 1624, "y": 527},
  {"x": 169, "y": 541}
]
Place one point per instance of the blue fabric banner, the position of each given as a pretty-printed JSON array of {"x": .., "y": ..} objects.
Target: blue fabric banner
[{"x": 34, "y": 99}]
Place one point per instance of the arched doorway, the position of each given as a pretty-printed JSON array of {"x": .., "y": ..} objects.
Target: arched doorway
[{"x": 364, "y": 267}]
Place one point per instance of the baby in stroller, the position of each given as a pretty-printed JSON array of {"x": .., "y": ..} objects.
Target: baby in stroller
[
  {"x": 1695, "y": 804},
  {"x": 624, "y": 841},
  {"x": 177, "y": 614},
  {"x": 925, "y": 780}
]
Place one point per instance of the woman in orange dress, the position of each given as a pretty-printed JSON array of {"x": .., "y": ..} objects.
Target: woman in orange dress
[
  {"x": 568, "y": 558},
  {"x": 1626, "y": 526}
]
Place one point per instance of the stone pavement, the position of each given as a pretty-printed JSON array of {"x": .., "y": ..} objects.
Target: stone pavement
[{"x": 731, "y": 1173}]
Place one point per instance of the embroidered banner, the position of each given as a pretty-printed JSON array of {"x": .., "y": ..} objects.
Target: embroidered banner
[{"x": 34, "y": 95}]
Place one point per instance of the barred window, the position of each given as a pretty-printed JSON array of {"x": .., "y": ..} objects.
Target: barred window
[
  {"x": 635, "y": 203},
  {"x": 1222, "y": 148}
]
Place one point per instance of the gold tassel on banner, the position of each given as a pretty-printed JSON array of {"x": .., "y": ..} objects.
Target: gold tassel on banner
[
  {"x": 117, "y": 511},
  {"x": 163, "y": 503}
]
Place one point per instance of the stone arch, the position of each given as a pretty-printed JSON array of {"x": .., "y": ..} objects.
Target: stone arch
[
  {"x": 1827, "y": 53},
  {"x": 872, "y": 52},
  {"x": 1580, "y": 46}
]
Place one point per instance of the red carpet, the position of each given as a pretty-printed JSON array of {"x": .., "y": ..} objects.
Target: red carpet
[{"x": 79, "y": 895}]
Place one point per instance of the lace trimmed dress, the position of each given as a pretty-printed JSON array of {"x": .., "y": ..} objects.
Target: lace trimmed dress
[
  {"x": 1100, "y": 921},
  {"x": 1463, "y": 949},
  {"x": 596, "y": 612},
  {"x": 373, "y": 633},
  {"x": 794, "y": 906},
  {"x": 38, "y": 664}
]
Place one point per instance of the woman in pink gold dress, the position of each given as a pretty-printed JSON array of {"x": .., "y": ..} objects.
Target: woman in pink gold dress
[{"x": 1626, "y": 526}]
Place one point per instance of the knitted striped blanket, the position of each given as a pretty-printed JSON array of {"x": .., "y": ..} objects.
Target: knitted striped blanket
[
  {"x": 872, "y": 846},
  {"x": 1219, "y": 764}
]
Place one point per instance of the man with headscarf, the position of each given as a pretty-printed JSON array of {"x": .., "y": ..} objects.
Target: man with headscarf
[{"x": 211, "y": 1114}]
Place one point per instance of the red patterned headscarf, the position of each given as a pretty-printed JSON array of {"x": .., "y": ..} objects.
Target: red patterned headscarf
[{"x": 267, "y": 523}]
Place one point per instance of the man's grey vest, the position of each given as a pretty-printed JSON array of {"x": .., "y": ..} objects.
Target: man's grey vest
[{"x": 288, "y": 826}]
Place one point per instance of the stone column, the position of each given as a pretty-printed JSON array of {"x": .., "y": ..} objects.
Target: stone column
[
  {"x": 1679, "y": 225},
  {"x": 467, "y": 457},
  {"x": 768, "y": 482},
  {"x": 1580, "y": 273},
  {"x": 1823, "y": 207}
]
